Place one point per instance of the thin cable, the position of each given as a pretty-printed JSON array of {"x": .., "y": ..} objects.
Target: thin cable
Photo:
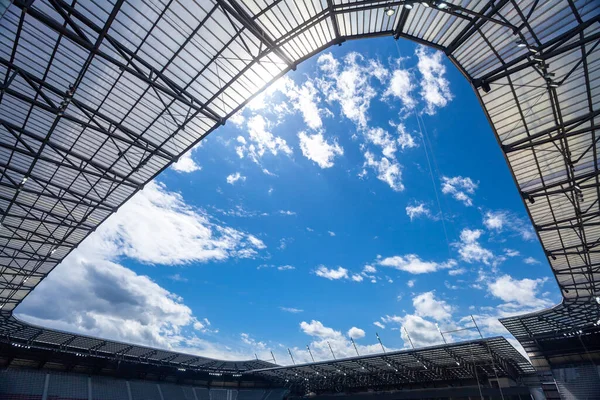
[{"x": 437, "y": 197}]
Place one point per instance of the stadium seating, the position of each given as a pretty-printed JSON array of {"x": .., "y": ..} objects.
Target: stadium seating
[{"x": 22, "y": 384}]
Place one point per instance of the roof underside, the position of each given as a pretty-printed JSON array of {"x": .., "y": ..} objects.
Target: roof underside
[{"x": 100, "y": 96}]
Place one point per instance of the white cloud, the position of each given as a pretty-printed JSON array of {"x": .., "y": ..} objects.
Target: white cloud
[
  {"x": 103, "y": 298},
  {"x": 435, "y": 88},
  {"x": 457, "y": 271},
  {"x": 331, "y": 233},
  {"x": 369, "y": 269},
  {"x": 511, "y": 252},
  {"x": 469, "y": 248},
  {"x": 494, "y": 220},
  {"x": 426, "y": 305},
  {"x": 405, "y": 140},
  {"x": 417, "y": 210},
  {"x": 233, "y": 178},
  {"x": 256, "y": 242},
  {"x": 531, "y": 260},
  {"x": 499, "y": 221},
  {"x": 379, "y": 324},
  {"x": 410, "y": 283},
  {"x": 518, "y": 293},
  {"x": 413, "y": 264},
  {"x": 156, "y": 226},
  {"x": 286, "y": 212},
  {"x": 186, "y": 163},
  {"x": 387, "y": 171},
  {"x": 305, "y": 99},
  {"x": 460, "y": 188},
  {"x": 237, "y": 119},
  {"x": 332, "y": 274},
  {"x": 349, "y": 84},
  {"x": 422, "y": 332},
  {"x": 285, "y": 268},
  {"x": 400, "y": 86},
  {"x": 178, "y": 278},
  {"x": 325, "y": 337},
  {"x": 382, "y": 138},
  {"x": 252, "y": 342},
  {"x": 316, "y": 328},
  {"x": 260, "y": 140},
  {"x": 317, "y": 149},
  {"x": 356, "y": 333},
  {"x": 291, "y": 310},
  {"x": 357, "y": 278}
]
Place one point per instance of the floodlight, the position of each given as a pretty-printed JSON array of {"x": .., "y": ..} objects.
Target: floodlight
[
  {"x": 521, "y": 43},
  {"x": 24, "y": 180},
  {"x": 598, "y": 299},
  {"x": 425, "y": 4},
  {"x": 389, "y": 11},
  {"x": 408, "y": 6},
  {"x": 442, "y": 5}
]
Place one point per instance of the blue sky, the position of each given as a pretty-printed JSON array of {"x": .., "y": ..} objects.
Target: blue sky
[{"x": 364, "y": 192}]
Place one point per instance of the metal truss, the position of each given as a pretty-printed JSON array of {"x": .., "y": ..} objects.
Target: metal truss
[{"x": 451, "y": 363}]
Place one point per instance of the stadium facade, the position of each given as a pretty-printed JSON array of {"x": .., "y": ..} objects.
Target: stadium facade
[{"x": 98, "y": 97}]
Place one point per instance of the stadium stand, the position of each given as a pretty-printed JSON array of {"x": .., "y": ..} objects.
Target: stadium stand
[
  {"x": 19, "y": 384},
  {"x": 79, "y": 138}
]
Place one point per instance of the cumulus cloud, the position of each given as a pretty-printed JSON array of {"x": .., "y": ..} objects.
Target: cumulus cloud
[
  {"x": 417, "y": 210},
  {"x": 426, "y": 305},
  {"x": 103, "y": 298},
  {"x": 253, "y": 343},
  {"x": 511, "y": 253},
  {"x": 435, "y": 88},
  {"x": 186, "y": 163},
  {"x": 356, "y": 333},
  {"x": 422, "y": 332},
  {"x": 316, "y": 328},
  {"x": 317, "y": 149},
  {"x": 382, "y": 138},
  {"x": 410, "y": 283},
  {"x": 379, "y": 324},
  {"x": 401, "y": 86},
  {"x": 357, "y": 278},
  {"x": 405, "y": 140},
  {"x": 332, "y": 274},
  {"x": 349, "y": 83},
  {"x": 460, "y": 188},
  {"x": 531, "y": 260},
  {"x": 233, "y": 178},
  {"x": 369, "y": 269},
  {"x": 470, "y": 249},
  {"x": 260, "y": 141},
  {"x": 387, "y": 171},
  {"x": 499, "y": 221},
  {"x": 519, "y": 293},
  {"x": 411, "y": 263}
]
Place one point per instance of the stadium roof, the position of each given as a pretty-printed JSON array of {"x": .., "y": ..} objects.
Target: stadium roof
[
  {"x": 98, "y": 97},
  {"x": 476, "y": 360}
]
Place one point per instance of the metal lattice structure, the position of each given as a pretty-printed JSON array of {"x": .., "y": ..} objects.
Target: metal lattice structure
[
  {"x": 477, "y": 360},
  {"x": 98, "y": 97}
]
